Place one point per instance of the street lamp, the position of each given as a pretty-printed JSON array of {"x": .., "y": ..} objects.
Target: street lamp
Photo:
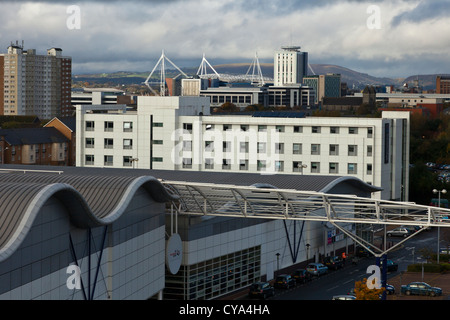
[{"x": 439, "y": 228}]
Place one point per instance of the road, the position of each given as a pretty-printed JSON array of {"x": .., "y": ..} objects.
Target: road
[{"x": 341, "y": 281}]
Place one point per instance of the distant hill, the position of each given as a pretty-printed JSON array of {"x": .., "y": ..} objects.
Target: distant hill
[{"x": 351, "y": 77}]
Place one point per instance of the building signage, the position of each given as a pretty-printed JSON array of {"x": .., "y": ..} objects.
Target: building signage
[{"x": 174, "y": 253}]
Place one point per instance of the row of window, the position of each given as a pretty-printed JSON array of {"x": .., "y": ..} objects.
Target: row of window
[
  {"x": 282, "y": 128},
  {"x": 279, "y": 166},
  {"x": 108, "y": 160},
  {"x": 279, "y": 148},
  {"x": 108, "y": 143},
  {"x": 128, "y": 127},
  {"x": 109, "y": 126}
]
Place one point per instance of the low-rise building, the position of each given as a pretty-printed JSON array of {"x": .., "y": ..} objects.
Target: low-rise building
[{"x": 34, "y": 146}]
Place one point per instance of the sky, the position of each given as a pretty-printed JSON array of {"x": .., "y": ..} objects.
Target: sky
[{"x": 384, "y": 38}]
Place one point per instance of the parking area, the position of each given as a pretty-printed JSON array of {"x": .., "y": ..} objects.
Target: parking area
[{"x": 441, "y": 280}]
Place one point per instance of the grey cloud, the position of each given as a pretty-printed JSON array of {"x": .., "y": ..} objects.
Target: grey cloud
[{"x": 425, "y": 10}]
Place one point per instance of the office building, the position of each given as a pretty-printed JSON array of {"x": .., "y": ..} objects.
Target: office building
[
  {"x": 290, "y": 66},
  {"x": 100, "y": 234},
  {"x": 178, "y": 133},
  {"x": 32, "y": 84},
  {"x": 325, "y": 85}
]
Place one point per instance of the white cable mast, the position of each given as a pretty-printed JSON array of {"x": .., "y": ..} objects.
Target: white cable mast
[
  {"x": 162, "y": 80},
  {"x": 202, "y": 70},
  {"x": 257, "y": 77}
]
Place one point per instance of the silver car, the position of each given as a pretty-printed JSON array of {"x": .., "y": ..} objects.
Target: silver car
[
  {"x": 317, "y": 269},
  {"x": 398, "y": 232}
]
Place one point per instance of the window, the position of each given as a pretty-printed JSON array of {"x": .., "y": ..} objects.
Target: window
[
  {"x": 334, "y": 167},
  {"x": 89, "y": 159},
  {"x": 209, "y": 127},
  {"x": 352, "y": 130},
  {"x": 279, "y": 128},
  {"x": 209, "y": 146},
  {"x": 369, "y": 151},
  {"x": 262, "y": 128},
  {"x": 369, "y": 132},
  {"x": 279, "y": 166},
  {"x": 226, "y": 146},
  {"x": 108, "y": 161},
  {"x": 109, "y": 126},
  {"x": 352, "y": 168},
  {"x": 298, "y": 129},
  {"x": 157, "y": 159},
  {"x": 315, "y": 129},
  {"x": 261, "y": 147},
  {"x": 334, "y": 130},
  {"x": 209, "y": 163},
  {"x": 128, "y": 127},
  {"x": 243, "y": 147},
  {"x": 297, "y": 166},
  {"x": 90, "y": 142},
  {"x": 226, "y": 164},
  {"x": 244, "y": 127},
  {"x": 157, "y": 124},
  {"x": 90, "y": 125},
  {"x": 128, "y": 144},
  {"x": 187, "y": 145},
  {"x": 297, "y": 148},
  {"x": 315, "y": 149},
  {"x": 127, "y": 161},
  {"x": 279, "y": 148},
  {"x": 187, "y": 163},
  {"x": 315, "y": 167},
  {"x": 187, "y": 127},
  {"x": 109, "y": 143},
  {"x": 226, "y": 127},
  {"x": 261, "y": 165},
  {"x": 156, "y": 142},
  {"x": 334, "y": 149},
  {"x": 352, "y": 150},
  {"x": 243, "y": 164}
]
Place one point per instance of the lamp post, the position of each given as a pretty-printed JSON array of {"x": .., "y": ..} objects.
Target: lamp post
[{"x": 439, "y": 228}]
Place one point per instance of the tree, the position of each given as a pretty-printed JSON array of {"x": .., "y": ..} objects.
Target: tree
[
  {"x": 362, "y": 292},
  {"x": 227, "y": 107}
]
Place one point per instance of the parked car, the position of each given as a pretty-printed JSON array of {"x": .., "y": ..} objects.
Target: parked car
[
  {"x": 284, "y": 281},
  {"x": 261, "y": 290},
  {"x": 317, "y": 269},
  {"x": 421, "y": 288},
  {"x": 398, "y": 232},
  {"x": 391, "y": 265},
  {"x": 390, "y": 289},
  {"x": 362, "y": 252},
  {"x": 301, "y": 275},
  {"x": 333, "y": 263}
]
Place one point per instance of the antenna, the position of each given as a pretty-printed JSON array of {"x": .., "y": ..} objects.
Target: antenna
[{"x": 162, "y": 82}]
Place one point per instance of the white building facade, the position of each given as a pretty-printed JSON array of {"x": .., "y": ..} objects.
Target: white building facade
[{"x": 178, "y": 133}]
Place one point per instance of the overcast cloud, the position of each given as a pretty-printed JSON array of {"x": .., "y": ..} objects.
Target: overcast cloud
[{"x": 410, "y": 37}]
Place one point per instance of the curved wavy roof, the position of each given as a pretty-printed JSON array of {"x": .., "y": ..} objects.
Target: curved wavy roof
[{"x": 91, "y": 200}]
